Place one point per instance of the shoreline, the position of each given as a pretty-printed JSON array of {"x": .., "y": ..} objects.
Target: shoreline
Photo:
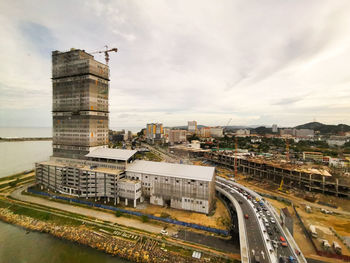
[{"x": 129, "y": 247}]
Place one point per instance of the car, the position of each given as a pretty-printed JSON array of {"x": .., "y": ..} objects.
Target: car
[
  {"x": 274, "y": 243},
  {"x": 273, "y": 221},
  {"x": 240, "y": 202},
  {"x": 282, "y": 239},
  {"x": 284, "y": 244},
  {"x": 268, "y": 213},
  {"x": 246, "y": 216},
  {"x": 291, "y": 259},
  {"x": 281, "y": 260},
  {"x": 164, "y": 232}
]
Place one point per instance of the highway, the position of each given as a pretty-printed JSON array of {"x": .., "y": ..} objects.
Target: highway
[{"x": 262, "y": 227}]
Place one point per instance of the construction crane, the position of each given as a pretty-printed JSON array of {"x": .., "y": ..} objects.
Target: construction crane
[
  {"x": 287, "y": 149},
  {"x": 236, "y": 147},
  {"x": 106, "y": 53}
]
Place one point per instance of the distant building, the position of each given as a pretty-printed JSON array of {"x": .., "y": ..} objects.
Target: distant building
[
  {"x": 216, "y": 132},
  {"x": 243, "y": 132},
  {"x": 205, "y": 132},
  {"x": 337, "y": 140},
  {"x": 192, "y": 126},
  {"x": 287, "y": 131},
  {"x": 314, "y": 156},
  {"x": 306, "y": 133},
  {"x": 177, "y": 136},
  {"x": 274, "y": 128},
  {"x": 154, "y": 132},
  {"x": 287, "y": 219}
]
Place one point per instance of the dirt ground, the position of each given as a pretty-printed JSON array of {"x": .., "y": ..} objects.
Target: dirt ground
[{"x": 217, "y": 220}]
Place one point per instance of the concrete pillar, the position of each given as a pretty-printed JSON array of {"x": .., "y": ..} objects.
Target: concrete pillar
[
  {"x": 108, "y": 199},
  {"x": 134, "y": 203},
  {"x": 118, "y": 200},
  {"x": 115, "y": 201},
  {"x": 126, "y": 201},
  {"x": 142, "y": 199}
]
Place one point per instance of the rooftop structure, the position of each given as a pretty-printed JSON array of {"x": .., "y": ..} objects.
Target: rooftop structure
[
  {"x": 194, "y": 172},
  {"x": 113, "y": 154}
]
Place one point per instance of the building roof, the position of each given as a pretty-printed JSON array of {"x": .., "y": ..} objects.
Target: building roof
[
  {"x": 194, "y": 172},
  {"x": 115, "y": 154}
]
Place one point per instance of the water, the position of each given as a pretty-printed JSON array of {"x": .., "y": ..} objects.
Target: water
[
  {"x": 25, "y": 132},
  {"x": 16, "y": 157},
  {"x": 15, "y": 245},
  {"x": 18, "y": 247}
]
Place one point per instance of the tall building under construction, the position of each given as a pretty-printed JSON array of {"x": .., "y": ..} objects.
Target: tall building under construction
[
  {"x": 83, "y": 166},
  {"x": 80, "y": 103}
]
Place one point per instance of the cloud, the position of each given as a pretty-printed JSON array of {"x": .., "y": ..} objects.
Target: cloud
[{"x": 258, "y": 63}]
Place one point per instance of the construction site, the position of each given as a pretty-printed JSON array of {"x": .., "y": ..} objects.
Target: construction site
[{"x": 287, "y": 175}]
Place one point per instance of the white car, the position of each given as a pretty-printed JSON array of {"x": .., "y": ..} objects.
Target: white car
[{"x": 164, "y": 232}]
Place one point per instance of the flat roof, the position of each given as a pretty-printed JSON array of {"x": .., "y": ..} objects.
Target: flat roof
[
  {"x": 193, "y": 172},
  {"x": 114, "y": 154}
]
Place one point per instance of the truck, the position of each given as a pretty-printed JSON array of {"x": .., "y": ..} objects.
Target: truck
[
  {"x": 336, "y": 247},
  {"x": 325, "y": 244},
  {"x": 313, "y": 231}
]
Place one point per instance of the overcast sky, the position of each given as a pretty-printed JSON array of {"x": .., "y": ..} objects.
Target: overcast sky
[{"x": 257, "y": 62}]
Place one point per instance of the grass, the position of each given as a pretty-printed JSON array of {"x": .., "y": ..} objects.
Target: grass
[{"x": 14, "y": 176}]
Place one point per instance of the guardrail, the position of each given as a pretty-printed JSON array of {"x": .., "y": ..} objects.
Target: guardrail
[
  {"x": 112, "y": 208},
  {"x": 241, "y": 227}
]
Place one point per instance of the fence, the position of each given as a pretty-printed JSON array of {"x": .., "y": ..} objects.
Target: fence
[
  {"x": 319, "y": 252},
  {"x": 166, "y": 220}
]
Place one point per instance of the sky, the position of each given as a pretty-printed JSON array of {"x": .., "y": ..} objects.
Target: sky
[{"x": 238, "y": 61}]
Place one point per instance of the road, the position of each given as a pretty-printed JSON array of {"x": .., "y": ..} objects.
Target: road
[
  {"x": 100, "y": 215},
  {"x": 262, "y": 226}
]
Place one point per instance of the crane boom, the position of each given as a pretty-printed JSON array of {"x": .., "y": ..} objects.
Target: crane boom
[{"x": 106, "y": 53}]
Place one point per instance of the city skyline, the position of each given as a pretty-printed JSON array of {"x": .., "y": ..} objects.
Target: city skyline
[{"x": 252, "y": 62}]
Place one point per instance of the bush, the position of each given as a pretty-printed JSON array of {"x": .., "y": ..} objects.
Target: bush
[
  {"x": 118, "y": 213},
  {"x": 164, "y": 215},
  {"x": 144, "y": 219}
]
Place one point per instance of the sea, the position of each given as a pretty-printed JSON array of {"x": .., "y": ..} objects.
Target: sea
[{"x": 16, "y": 246}]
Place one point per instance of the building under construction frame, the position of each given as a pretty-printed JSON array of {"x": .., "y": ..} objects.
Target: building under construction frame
[{"x": 312, "y": 180}]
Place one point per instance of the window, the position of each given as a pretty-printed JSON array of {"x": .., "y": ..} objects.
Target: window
[
  {"x": 177, "y": 181},
  {"x": 201, "y": 184}
]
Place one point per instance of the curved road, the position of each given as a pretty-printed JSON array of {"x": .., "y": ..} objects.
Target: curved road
[{"x": 263, "y": 228}]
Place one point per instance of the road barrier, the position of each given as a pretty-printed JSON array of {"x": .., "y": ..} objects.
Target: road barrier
[{"x": 112, "y": 208}]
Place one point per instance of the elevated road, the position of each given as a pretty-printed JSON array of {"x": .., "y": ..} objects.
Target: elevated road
[{"x": 265, "y": 238}]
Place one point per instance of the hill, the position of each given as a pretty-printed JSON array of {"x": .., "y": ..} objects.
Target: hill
[{"x": 325, "y": 128}]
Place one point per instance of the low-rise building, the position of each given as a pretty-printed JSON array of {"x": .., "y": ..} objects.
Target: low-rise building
[
  {"x": 180, "y": 186},
  {"x": 314, "y": 156}
]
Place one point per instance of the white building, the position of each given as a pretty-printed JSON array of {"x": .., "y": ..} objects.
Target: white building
[
  {"x": 188, "y": 187},
  {"x": 274, "y": 128}
]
